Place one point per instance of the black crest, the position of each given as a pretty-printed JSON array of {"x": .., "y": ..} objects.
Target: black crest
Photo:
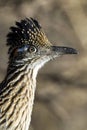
[{"x": 24, "y": 32}]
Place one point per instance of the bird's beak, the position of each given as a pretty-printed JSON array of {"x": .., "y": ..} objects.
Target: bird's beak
[{"x": 60, "y": 50}]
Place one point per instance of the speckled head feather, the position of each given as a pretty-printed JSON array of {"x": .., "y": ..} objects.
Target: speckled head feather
[{"x": 27, "y": 31}]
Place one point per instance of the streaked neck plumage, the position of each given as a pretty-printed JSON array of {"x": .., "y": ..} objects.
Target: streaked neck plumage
[
  {"x": 21, "y": 82},
  {"x": 29, "y": 50}
]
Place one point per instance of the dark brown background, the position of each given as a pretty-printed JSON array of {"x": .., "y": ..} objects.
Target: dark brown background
[{"x": 61, "y": 95}]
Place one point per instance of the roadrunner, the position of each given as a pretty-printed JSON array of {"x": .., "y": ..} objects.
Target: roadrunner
[{"x": 29, "y": 50}]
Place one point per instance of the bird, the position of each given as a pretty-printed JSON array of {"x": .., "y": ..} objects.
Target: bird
[{"x": 28, "y": 49}]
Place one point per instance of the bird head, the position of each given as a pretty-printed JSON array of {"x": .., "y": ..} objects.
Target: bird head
[{"x": 29, "y": 44}]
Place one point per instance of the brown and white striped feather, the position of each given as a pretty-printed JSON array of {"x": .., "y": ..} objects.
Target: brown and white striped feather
[{"x": 17, "y": 102}]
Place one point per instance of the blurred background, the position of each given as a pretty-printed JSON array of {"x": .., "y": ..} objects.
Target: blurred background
[{"x": 61, "y": 94}]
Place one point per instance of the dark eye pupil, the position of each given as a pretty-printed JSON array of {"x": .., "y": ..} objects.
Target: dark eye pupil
[{"x": 32, "y": 49}]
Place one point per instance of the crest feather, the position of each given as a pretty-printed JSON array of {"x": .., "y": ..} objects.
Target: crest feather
[{"x": 27, "y": 31}]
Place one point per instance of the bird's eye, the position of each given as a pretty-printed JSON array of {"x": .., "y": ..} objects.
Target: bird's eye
[{"x": 32, "y": 49}]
